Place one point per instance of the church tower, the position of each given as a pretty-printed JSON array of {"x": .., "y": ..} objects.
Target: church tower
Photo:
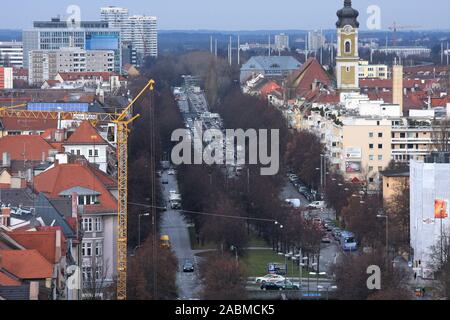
[{"x": 347, "y": 60}]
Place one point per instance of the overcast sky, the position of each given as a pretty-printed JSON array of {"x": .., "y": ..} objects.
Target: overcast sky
[{"x": 236, "y": 14}]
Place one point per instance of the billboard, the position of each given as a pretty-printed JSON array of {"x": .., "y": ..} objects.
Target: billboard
[
  {"x": 353, "y": 167},
  {"x": 353, "y": 153},
  {"x": 440, "y": 209}
]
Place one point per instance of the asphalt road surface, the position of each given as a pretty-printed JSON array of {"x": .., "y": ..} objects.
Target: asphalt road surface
[{"x": 175, "y": 226}]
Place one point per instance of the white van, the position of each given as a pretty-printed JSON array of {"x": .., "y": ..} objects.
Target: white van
[
  {"x": 317, "y": 205},
  {"x": 294, "y": 203}
]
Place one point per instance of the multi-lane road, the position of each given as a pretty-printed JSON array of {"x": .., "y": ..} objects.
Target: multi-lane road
[{"x": 174, "y": 225}]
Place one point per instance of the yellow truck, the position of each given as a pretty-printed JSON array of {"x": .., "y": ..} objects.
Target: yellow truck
[{"x": 165, "y": 242}]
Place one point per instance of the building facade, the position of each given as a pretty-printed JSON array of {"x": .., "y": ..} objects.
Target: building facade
[
  {"x": 347, "y": 59},
  {"x": 88, "y": 35},
  {"x": 11, "y": 54},
  {"x": 373, "y": 71},
  {"x": 115, "y": 16},
  {"x": 46, "y": 64},
  {"x": 6, "y": 78},
  {"x": 282, "y": 42},
  {"x": 142, "y": 33},
  {"x": 429, "y": 202}
]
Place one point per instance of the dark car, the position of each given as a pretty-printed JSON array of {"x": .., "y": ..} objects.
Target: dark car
[
  {"x": 188, "y": 266},
  {"x": 280, "y": 285},
  {"x": 165, "y": 181}
]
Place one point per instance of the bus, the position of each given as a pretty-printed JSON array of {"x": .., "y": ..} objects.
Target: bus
[{"x": 348, "y": 241}]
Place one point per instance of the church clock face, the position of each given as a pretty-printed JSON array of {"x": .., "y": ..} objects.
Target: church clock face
[{"x": 347, "y": 29}]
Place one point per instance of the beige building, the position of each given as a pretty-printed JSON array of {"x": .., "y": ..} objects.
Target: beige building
[
  {"x": 373, "y": 71},
  {"x": 366, "y": 148},
  {"x": 394, "y": 181},
  {"x": 46, "y": 64}
]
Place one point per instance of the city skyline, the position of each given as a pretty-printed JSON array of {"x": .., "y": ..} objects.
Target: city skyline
[{"x": 203, "y": 15}]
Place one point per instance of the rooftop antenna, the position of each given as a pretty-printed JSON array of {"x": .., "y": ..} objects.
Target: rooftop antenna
[
  {"x": 230, "y": 53},
  {"x": 321, "y": 46},
  {"x": 447, "y": 53},
  {"x": 211, "y": 44},
  {"x": 442, "y": 53},
  {"x": 269, "y": 46},
  {"x": 216, "y": 49}
]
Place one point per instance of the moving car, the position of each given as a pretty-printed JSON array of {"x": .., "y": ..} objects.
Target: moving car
[
  {"x": 269, "y": 278},
  {"x": 188, "y": 266},
  {"x": 348, "y": 241},
  {"x": 280, "y": 285},
  {"x": 295, "y": 203},
  {"x": 318, "y": 205}
]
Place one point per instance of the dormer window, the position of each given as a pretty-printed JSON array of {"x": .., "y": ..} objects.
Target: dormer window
[{"x": 88, "y": 200}]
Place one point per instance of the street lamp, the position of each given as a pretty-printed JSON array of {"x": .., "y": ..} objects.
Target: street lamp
[{"x": 385, "y": 216}]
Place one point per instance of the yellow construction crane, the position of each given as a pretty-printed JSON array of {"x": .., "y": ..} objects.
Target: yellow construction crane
[{"x": 122, "y": 121}]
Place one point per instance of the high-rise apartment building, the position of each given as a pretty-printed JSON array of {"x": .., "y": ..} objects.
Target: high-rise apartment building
[
  {"x": 281, "y": 42},
  {"x": 115, "y": 16},
  {"x": 87, "y": 35},
  {"x": 11, "y": 54},
  {"x": 141, "y": 32},
  {"x": 46, "y": 64}
]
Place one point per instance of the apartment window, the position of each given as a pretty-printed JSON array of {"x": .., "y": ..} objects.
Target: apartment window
[
  {"x": 98, "y": 274},
  {"x": 90, "y": 153},
  {"x": 370, "y": 169},
  {"x": 87, "y": 224},
  {"x": 380, "y": 158},
  {"x": 380, "y": 169},
  {"x": 98, "y": 249},
  {"x": 371, "y": 157},
  {"x": 380, "y": 146},
  {"x": 86, "y": 249},
  {"x": 370, "y": 134},
  {"x": 87, "y": 274},
  {"x": 371, "y": 146},
  {"x": 380, "y": 135},
  {"x": 96, "y": 152},
  {"x": 371, "y": 180},
  {"x": 378, "y": 123},
  {"x": 98, "y": 225},
  {"x": 78, "y": 152}
]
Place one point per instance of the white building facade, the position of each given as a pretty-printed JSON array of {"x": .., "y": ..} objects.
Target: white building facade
[{"x": 430, "y": 184}]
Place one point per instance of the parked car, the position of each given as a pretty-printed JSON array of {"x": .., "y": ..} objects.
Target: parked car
[
  {"x": 171, "y": 172},
  {"x": 165, "y": 181},
  {"x": 188, "y": 266},
  {"x": 336, "y": 233},
  {"x": 329, "y": 226},
  {"x": 326, "y": 239},
  {"x": 293, "y": 178},
  {"x": 317, "y": 205},
  {"x": 269, "y": 278}
]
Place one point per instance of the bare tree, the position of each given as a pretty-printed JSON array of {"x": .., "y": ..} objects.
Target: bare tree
[
  {"x": 94, "y": 280},
  {"x": 440, "y": 257},
  {"x": 441, "y": 135}
]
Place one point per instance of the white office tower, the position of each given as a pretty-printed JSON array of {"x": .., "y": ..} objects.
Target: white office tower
[
  {"x": 142, "y": 33},
  {"x": 114, "y": 16}
]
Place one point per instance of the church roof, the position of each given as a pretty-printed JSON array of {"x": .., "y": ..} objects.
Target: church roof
[{"x": 347, "y": 16}]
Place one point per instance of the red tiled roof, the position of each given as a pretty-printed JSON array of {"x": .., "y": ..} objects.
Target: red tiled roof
[
  {"x": 8, "y": 281},
  {"x": 25, "y": 147},
  {"x": 18, "y": 124},
  {"x": 85, "y": 134},
  {"x": 26, "y": 264},
  {"x": 387, "y": 83},
  {"x": 269, "y": 87},
  {"x": 302, "y": 80},
  {"x": 66, "y": 176},
  {"x": 52, "y": 83},
  {"x": 43, "y": 241}
]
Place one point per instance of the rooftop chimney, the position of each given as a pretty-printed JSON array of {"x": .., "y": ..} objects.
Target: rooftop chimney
[
  {"x": 5, "y": 218},
  {"x": 397, "y": 86}
]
